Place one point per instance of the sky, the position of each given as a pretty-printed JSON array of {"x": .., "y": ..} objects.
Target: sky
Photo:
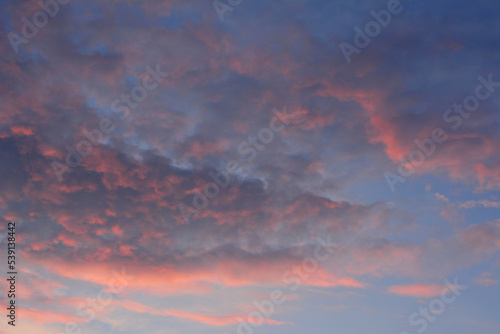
[{"x": 251, "y": 166}]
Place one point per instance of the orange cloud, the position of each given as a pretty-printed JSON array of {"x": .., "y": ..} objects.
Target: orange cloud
[
  {"x": 47, "y": 316},
  {"x": 417, "y": 290},
  {"x": 205, "y": 319}
]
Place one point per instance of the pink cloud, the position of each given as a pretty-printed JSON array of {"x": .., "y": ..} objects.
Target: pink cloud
[
  {"x": 417, "y": 290},
  {"x": 180, "y": 314},
  {"x": 486, "y": 279}
]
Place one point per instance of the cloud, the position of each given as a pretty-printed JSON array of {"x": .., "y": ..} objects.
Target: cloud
[
  {"x": 484, "y": 203},
  {"x": 320, "y": 176},
  {"x": 486, "y": 279},
  {"x": 417, "y": 290}
]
